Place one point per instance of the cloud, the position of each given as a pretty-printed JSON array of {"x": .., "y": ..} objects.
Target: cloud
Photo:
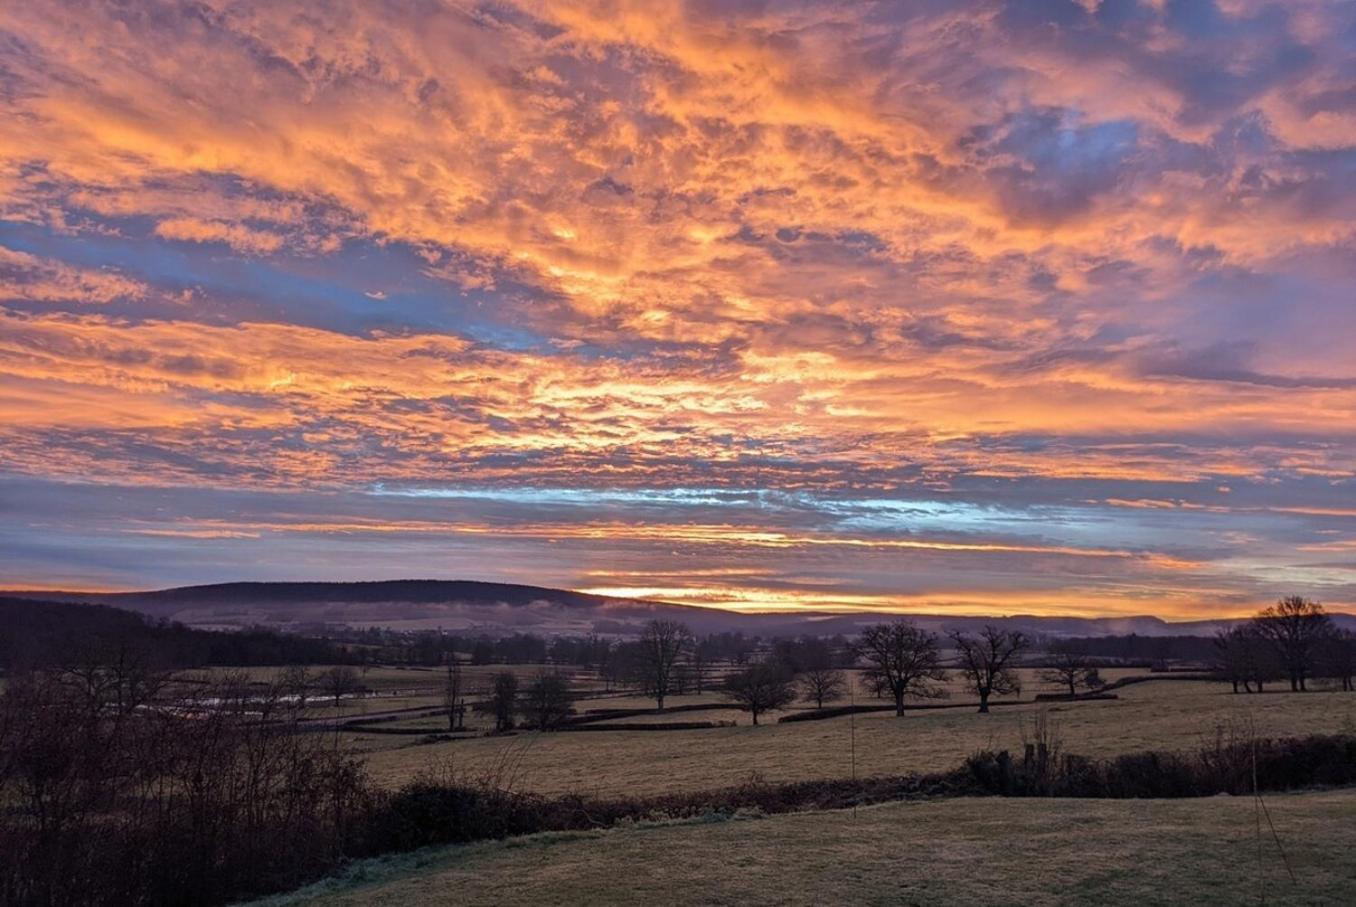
[
  {"x": 239, "y": 238},
  {"x": 942, "y": 248},
  {"x": 25, "y": 277}
]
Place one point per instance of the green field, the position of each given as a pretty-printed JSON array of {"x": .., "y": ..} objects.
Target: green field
[{"x": 964, "y": 851}]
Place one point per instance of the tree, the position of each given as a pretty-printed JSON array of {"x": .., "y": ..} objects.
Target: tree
[
  {"x": 803, "y": 654},
  {"x": 340, "y": 681},
  {"x": 1296, "y": 629},
  {"x": 616, "y": 666},
  {"x": 820, "y": 684},
  {"x": 986, "y": 661},
  {"x": 113, "y": 677},
  {"x": 503, "y": 700},
  {"x": 682, "y": 679},
  {"x": 453, "y": 700},
  {"x": 1243, "y": 657},
  {"x": 1339, "y": 659},
  {"x": 903, "y": 660},
  {"x": 761, "y": 687},
  {"x": 699, "y": 668},
  {"x": 294, "y": 681},
  {"x": 546, "y": 701},
  {"x": 1068, "y": 666},
  {"x": 663, "y": 643}
]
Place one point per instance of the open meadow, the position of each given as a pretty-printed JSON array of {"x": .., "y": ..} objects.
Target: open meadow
[
  {"x": 1162, "y": 714},
  {"x": 985, "y": 851}
]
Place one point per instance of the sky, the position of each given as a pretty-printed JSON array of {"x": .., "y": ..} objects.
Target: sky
[{"x": 1039, "y": 307}]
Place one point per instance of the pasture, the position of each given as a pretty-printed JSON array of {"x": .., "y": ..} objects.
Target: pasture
[
  {"x": 1160, "y": 714},
  {"x": 986, "y": 851}
]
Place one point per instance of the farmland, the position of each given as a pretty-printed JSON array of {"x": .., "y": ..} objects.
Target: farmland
[
  {"x": 1161, "y": 714},
  {"x": 349, "y": 767},
  {"x": 966, "y": 851}
]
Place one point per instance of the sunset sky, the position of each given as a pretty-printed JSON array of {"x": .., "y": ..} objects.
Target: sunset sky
[{"x": 1039, "y": 307}]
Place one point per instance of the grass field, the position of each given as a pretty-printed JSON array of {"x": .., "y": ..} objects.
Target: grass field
[
  {"x": 1154, "y": 715},
  {"x": 965, "y": 851}
]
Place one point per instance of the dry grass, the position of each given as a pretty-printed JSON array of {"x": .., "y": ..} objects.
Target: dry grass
[
  {"x": 1155, "y": 715},
  {"x": 389, "y": 677},
  {"x": 966, "y": 851}
]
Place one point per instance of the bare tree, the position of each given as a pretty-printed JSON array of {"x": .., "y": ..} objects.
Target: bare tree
[
  {"x": 453, "y": 697},
  {"x": 546, "y": 701},
  {"x": 682, "y": 679},
  {"x": 190, "y": 800},
  {"x": 1296, "y": 628},
  {"x": 699, "y": 667},
  {"x": 295, "y": 683},
  {"x": 986, "y": 661},
  {"x": 761, "y": 687},
  {"x": 615, "y": 667},
  {"x": 1068, "y": 666},
  {"x": 112, "y": 677},
  {"x": 1243, "y": 657},
  {"x": 901, "y": 659},
  {"x": 340, "y": 681},
  {"x": 1340, "y": 658},
  {"x": 818, "y": 685},
  {"x": 502, "y": 702},
  {"x": 663, "y": 643}
]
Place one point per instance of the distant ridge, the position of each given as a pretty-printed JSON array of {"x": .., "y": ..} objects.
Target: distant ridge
[
  {"x": 419, "y": 591},
  {"x": 473, "y": 606}
]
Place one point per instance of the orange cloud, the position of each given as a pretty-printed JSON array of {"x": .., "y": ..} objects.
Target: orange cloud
[
  {"x": 241, "y": 239},
  {"x": 258, "y": 246}
]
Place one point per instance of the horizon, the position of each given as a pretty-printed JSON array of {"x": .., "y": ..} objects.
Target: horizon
[
  {"x": 769, "y": 612},
  {"x": 741, "y": 306}
]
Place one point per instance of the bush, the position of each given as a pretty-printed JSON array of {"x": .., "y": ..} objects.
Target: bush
[{"x": 1224, "y": 768}]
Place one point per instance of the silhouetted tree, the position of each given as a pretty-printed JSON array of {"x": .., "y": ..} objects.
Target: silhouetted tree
[
  {"x": 502, "y": 702},
  {"x": 340, "y": 681},
  {"x": 617, "y": 665},
  {"x": 453, "y": 698},
  {"x": 1296, "y": 629},
  {"x": 663, "y": 643},
  {"x": 803, "y": 654},
  {"x": 185, "y": 797},
  {"x": 699, "y": 671},
  {"x": 482, "y": 652},
  {"x": 1243, "y": 657},
  {"x": 112, "y": 676},
  {"x": 1068, "y": 666},
  {"x": 822, "y": 684},
  {"x": 761, "y": 687},
  {"x": 903, "y": 660},
  {"x": 682, "y": 678},
  {"x": 1339, "y": 658},
  {"x": 546, "y": 701},
  {"x": 295, "y": 683},
  {"x": 986, "y": 661}
]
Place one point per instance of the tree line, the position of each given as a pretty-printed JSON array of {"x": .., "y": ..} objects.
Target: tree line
[
  {"x": 38, "y": 633},
  {"x": 1292, "y": 641}
]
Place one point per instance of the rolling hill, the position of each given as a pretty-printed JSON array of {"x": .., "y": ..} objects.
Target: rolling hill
[{"x": 469, "y": 606}]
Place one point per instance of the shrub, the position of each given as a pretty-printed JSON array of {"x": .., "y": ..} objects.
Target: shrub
[{"x": 1224, "y": 768}]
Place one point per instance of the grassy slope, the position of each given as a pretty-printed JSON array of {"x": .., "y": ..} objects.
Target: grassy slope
[
  {"x": 967, "y": 851},
  {"x": 1157, "y": 715}
]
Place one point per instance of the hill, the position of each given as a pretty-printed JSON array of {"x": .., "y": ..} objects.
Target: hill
[{"x": 468, "y": 606}]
